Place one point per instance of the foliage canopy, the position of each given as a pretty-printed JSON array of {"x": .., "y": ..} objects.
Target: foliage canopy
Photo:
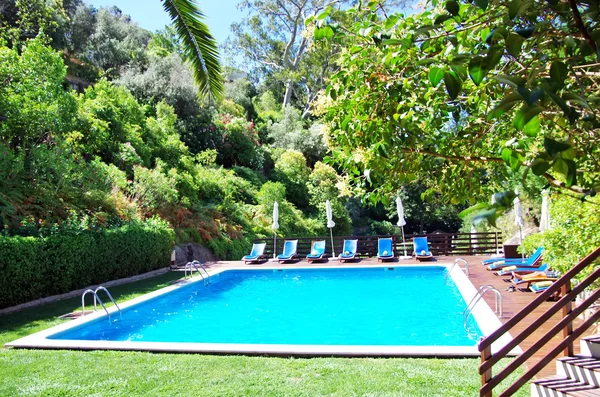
[{"x": 457, "y": 95}]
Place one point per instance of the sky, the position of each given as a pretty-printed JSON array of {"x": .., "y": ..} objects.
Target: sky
[{"x": 150, "y": 15}]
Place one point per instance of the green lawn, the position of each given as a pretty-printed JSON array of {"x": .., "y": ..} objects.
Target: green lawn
[{"x": 110, "y": 373}]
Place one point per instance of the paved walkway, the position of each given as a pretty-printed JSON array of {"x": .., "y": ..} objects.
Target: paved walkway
[{"x": 512, "y": 301}]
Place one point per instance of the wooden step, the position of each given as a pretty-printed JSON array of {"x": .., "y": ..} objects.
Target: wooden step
[
  {"x": 560, "y": 386},
  {"x": 581, "y": 368},
  {"x": 590, "y": 346}
]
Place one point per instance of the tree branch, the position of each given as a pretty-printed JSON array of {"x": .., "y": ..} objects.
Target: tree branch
[
  {"x": 561, "y": 185},
  {"x": 454, "y": 158},
  {"x": 579, "y": 23}
]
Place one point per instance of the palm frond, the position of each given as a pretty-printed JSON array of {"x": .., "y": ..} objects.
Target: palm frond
[{"x": 199, "y": 45}]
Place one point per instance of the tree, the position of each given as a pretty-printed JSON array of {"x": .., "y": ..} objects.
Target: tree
[
  {"x": 291, "y": 170},
  {"x": 324, "y": 184},
  {"x": 34, "y": 107},
  {"x": 290, "y": 133},
  {"x": 22, "y": 19},
  {"x": 164, "y": 78},
  {"x": 115, "y": 42},
  {"x": 275, "y": 37},
  {"x": 455, "y": 96}
]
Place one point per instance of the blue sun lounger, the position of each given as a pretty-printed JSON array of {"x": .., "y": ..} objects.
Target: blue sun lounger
[
  {"x": 507, "y": 271},
  {"x": 421, "y": 247},
  {"x": 385, "y": 251},
  {"x": 256, "y": 255},
  {"x": 529, "y": 262},
  {"x": 514, "y": 261},
  {"x": 317, "y": 251},
  {"x": 349, "y": 250},
  {"x": 289, "y": 251},
  {"x": 540, "y": 286}
]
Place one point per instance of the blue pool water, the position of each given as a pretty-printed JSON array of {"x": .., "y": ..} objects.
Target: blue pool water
[{"x": 411, "y": 306}]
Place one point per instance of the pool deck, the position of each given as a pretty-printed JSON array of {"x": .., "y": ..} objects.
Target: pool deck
[{"x": 512, "y": 301}]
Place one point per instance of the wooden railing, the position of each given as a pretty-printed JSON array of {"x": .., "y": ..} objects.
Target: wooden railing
[
  {"x": 569, "y": 334},
  {"x": 439, "y": 244}
]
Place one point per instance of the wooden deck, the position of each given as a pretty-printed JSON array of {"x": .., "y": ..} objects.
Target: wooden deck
[{"x": 512, "y": 301}]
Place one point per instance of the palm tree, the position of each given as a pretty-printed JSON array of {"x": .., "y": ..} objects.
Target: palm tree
[{"x": 199, "y": 45}]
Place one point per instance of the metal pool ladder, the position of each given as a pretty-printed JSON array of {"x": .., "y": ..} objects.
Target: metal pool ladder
[
  {"x": 97, "y": 298},
  {"x": 482, "y": 290},
  {"x": 456, "y": 261},
  {"x": 194, "y": 265}
]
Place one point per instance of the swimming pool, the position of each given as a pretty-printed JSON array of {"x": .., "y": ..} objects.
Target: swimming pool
[{"x": 401, "y": 310}]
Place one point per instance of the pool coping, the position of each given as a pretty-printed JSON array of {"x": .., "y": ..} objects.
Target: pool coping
[{"x": 482, "y": 313}]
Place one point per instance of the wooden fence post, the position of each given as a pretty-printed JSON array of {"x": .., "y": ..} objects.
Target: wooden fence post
[{"x": 487, "y": 375}]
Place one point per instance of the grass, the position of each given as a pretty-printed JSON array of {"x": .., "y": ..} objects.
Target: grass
[{"x": 112, "y": 373}]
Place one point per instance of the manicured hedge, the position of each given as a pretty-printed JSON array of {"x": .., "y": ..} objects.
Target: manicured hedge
[{"x": 36, "y": 267}]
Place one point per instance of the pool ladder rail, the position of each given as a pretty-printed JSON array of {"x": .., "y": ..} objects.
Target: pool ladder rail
[
  {"x": 482, "y": 290},
  {"x": 456, "y": 263},
  {"x": 97, "y": 299},
  {"x": 197, "y": 265}
]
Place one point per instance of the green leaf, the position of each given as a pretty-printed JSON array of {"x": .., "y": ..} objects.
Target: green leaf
[
  {"x": 496, "y": 34},
  {"x": 530, "y": 97},
  {"x": 561, "y": 167},
  {"x": 525, "y": 32},
  {"x": 505, "y": 105},
  {"x": 324, "y": 14},
  {"x": 477, "y": 70},
  {"x": 333, "y": 94},
  {"x": 441, "y": 19},
  {"x": 459, "y": 70},
  {"x": 515, "y": 161},
  {"x": 513, "y": 8},
  {"x": 481, "y": 4},
  {"x": 558, "y": 72},
  {"x": 514, "y": 42},
  {"x": 391, "y": 21},
  {"x": 513, "y": 81},
  {"x": 554, "y": 147},
  {"x": 493, "y": 57},
  {"x": 506, "y": 155},
  {"x": 199, "y": 47},
  {"x": 573, "y": 98},
  {"x": 326, "y": 32},
  {"x": 504, "y": 199},
  {"x": 532, "y": 128},
  {"x": 476, "y": 207},
  {"x": 490, "y": 216},
  {"x": 571, "y": 177},
  {"x": 524, "y": 115},
  {"x": 453, "y": 84},
  {"x": 452, "y": 7},
  {"x": 426, "y": 61},
  {"x": 561, "y": 103},
  {"x": 393, "y": 42},
  {"x": 436, "y": 74},
  {"x": 540, "y": 166}
]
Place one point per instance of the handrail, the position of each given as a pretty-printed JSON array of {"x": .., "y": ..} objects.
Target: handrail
[
  {"x": 477, "y": 297},
  {"x": 101, "y": 288},
  {"x": 455, "y": 263},
  {"x": 568, "y": 295},
  {"x": 95, "y": 297},
  {"x": 466, "y": 264},
  {"x": 194, "y": 264}
]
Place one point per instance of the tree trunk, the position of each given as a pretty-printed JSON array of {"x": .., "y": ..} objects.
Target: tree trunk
[{"x": 287, "y": 98}]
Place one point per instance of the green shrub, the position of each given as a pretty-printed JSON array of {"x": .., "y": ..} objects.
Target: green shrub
[
  {"x": 36, "y": 267},
  {"x": 575, "y": 233}
]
